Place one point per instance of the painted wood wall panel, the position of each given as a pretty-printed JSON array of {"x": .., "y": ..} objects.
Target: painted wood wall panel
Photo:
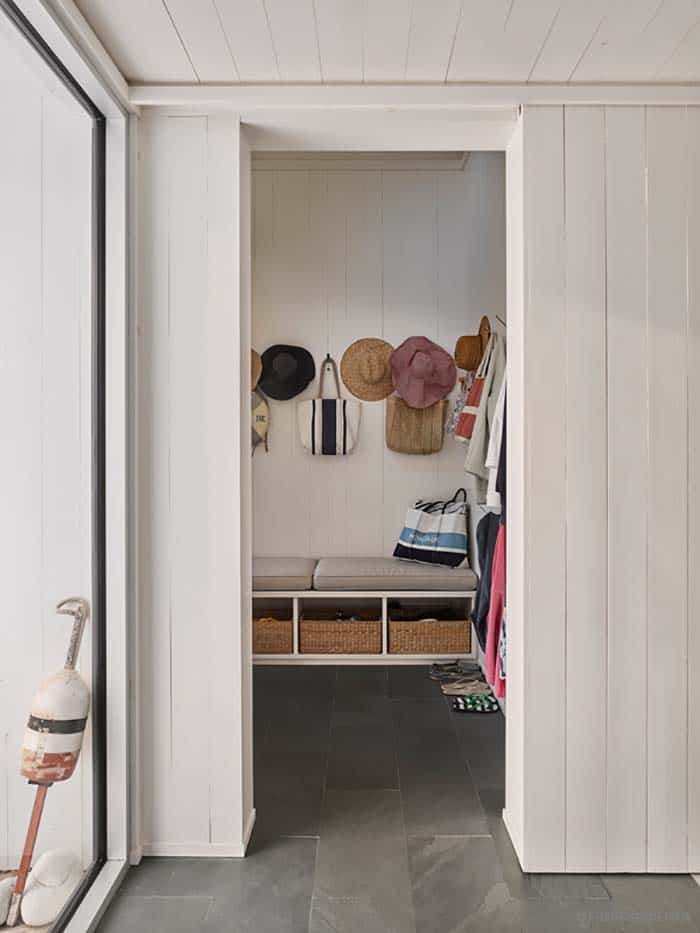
[
  {"x": 45, "y": 542},
  {"x": 586, "y": 488},
  {"x": 667, "y": 168},
  {"x": 194, "y": 789},
  {"x": 341, "y": 254},
  {"x": 693, "y": 117},
  {"x": 545, "y": 482},
  {"x": 618, "y": 255},
  {"x": 627, "y": 487}
]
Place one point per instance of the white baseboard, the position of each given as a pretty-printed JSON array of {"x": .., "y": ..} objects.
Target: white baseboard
[
  {"x": 135, "y": 855},
  {"x": 249, "y": 829},
  {"x": 194, "y": 849}
]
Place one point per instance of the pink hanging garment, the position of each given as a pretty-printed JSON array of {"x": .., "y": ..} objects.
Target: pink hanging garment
[{"x": 496, "y": 607}]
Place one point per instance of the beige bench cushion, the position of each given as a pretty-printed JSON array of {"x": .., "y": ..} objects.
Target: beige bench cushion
[
  {"x": 388, "y": 573},
  {"x": 283, "y": 573}
]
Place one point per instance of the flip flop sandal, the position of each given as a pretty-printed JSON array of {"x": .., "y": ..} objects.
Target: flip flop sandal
[
  {"x": 461, "y": 688},
  {"x": 475, "y": 704}
]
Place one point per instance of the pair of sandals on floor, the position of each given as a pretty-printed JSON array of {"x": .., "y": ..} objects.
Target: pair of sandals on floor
[{"x": 464, "y": 682}]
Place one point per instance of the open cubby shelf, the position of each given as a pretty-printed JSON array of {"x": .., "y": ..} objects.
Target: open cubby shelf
[{"x": 296, "y": 599}]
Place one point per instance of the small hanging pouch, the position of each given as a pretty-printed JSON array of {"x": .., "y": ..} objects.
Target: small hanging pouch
[
  {"x": 328, "y": 426},
  {"x": 260, "y": 419}
]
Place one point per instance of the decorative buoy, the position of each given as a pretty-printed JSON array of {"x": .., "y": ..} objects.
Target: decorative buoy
[{"x": 54, "y": 737}]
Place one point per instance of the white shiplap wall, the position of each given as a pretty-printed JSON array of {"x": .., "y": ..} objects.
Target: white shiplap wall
[
  {"x": 45, "y": 358},
  {"x": 195, "y": 569},
  {"x": 610, "y": 774},
  {"x": 365, "y": 251}
]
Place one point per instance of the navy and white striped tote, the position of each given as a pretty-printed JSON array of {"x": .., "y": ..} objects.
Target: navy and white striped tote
[
  {"x": 436, "y": 532},
  {"x": 328, "y": 426}
]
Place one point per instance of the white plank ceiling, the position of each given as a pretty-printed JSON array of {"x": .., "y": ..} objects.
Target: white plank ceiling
[{"x": 437, "y": 41}]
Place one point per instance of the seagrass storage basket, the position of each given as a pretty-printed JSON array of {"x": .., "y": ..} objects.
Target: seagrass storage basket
[
  {"x": 326, "y": 635},
  {"x": 444, "y": 636},
  {"x": 272, "y": 635}
]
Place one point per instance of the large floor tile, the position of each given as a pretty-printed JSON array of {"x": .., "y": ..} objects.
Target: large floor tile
[
  {"x": 288, "y": 805},
  {"x": 141, "y": 913},
  {"x": 414, "y": 713},
  {"x": 429, "y": 756},
  {"x": 443, "y": 809},
  {"x": 458, "y": 885},
  {"x": 362, "y": 756},
  {"x": 362, "y": 877},
  {"x": 272, "y": 890},
  {"x": 412, "y": 681}
]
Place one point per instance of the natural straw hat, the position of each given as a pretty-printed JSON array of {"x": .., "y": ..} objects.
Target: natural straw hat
[
  {"x": 470, "y": 349},
  {"x": 255, "y": 368},
  {"x": 366, "y": 369}
]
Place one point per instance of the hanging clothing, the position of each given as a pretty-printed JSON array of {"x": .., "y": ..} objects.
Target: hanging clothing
[
  {"x": 493, "y": 498},
  {"x": 486, "y": 534},
  {"x": 496, "y": 610},
  {"x": 501, "y": 472},
  {"x": 502, "y": 651},
  {"x": 475, "y": 461}
]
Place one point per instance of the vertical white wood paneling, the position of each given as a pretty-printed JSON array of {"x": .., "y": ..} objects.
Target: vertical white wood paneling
[
  {"x": 228, "y": 478},
  {"x": 693, "y": 250},
  {"x": 628, "y": 457},
  {"x": 516, "y": 580},
  {"x": 154, "y": 439},
  {"x": 195, "y": 675},
  {"x": 668, "y": 489},
  {"x": 189, "y": 556},
  {"x": 355, "y": 252},
  {"x": 586, "y": 488},
  {"x": 545, "y": 446}
]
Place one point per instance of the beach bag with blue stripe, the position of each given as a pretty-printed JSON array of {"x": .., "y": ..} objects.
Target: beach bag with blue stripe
[
  {"x": 328, "y": 426},
  {"x": 436, "y": 532}
]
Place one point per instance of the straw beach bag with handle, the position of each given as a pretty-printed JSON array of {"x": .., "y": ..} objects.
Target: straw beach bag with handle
[
  {"x": 328, "y": 426},
  {"x": 415, "y": 430}
]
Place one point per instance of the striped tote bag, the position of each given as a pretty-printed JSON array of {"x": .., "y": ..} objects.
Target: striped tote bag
[{"x": 328, "y": 426}]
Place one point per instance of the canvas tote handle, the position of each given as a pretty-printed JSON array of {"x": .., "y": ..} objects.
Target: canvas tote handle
[{"x": 329, "y": 361}]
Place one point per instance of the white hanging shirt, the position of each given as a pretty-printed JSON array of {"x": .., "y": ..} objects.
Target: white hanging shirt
[{"x": 493, "y": 454}]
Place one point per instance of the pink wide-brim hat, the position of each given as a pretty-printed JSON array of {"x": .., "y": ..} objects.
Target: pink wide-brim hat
[{"x": 422, "y": 372}]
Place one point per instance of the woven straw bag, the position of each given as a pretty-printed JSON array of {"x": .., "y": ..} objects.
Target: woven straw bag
[{"x": 415, "y": 430}]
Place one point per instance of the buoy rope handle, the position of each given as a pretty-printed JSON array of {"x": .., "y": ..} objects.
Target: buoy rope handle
[{"x": 79, "y": 608}]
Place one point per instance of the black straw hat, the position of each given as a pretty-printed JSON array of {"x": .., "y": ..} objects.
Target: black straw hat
[{"x": 286, "y": 371}]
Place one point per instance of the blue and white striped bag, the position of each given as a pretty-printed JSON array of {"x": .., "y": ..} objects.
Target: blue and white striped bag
[
  {"x": 436, "y": 532},
  {"x": 328, "y": 426}
]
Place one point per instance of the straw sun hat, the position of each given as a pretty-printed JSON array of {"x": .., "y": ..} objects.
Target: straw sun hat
[
  {"x": 366, "y": 369},
  {"x": 471, "y": 347},
  {"x": 255, "y": 369}
]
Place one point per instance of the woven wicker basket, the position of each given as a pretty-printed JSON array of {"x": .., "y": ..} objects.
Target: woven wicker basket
[
  {"x": 273, "y": 636},
  {"x": 328, "y": 636},
  {"x": 452, "y": 636}
]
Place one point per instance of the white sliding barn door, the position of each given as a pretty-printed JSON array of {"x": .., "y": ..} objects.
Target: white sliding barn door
[{"x": 194, "y": 443}]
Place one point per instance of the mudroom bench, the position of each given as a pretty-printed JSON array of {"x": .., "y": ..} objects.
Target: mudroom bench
[{"x": 354, "y": 610}]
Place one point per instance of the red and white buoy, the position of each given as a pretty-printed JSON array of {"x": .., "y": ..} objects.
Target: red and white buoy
[{"x": 54, "y": 737}]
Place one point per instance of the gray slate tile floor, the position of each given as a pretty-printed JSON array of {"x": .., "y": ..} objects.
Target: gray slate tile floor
[{"x": 379, "y": 811}]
